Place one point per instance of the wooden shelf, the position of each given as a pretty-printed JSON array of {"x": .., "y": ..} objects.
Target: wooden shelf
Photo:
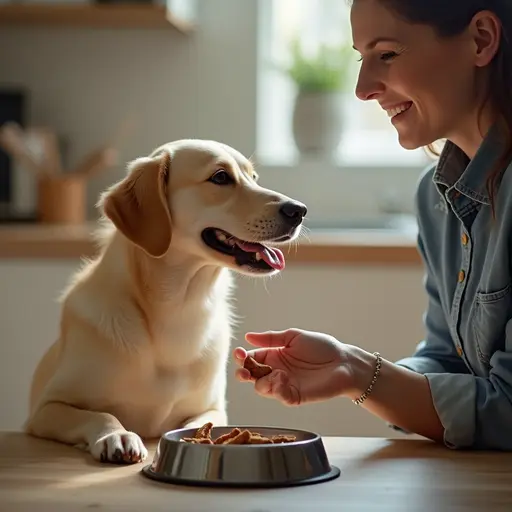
[{"x": 92, "y": 16}]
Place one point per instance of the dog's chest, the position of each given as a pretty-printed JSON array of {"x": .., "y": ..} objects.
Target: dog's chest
[
  {"x": 173, "y": 389},
  {"x": 180, "y": 337}
]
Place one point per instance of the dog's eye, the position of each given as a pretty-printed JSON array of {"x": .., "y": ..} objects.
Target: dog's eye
[{"x": 221, "y": 177}]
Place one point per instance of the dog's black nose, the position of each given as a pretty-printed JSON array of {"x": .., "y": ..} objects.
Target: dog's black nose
[{"x": 293, "y": 212}]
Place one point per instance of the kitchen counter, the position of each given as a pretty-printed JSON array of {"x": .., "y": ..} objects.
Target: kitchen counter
[
  {"x": 341, "y": 247},
  {"x": 406, "y": 475}
]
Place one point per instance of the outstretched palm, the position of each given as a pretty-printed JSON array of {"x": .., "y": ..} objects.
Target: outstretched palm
[{"x": 307, "y": 366}]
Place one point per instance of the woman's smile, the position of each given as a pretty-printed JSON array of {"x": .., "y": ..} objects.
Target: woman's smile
[{"x": 398, "y": 109}]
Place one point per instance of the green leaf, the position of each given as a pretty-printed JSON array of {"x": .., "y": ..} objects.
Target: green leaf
[{"x": 331, "y": 69}]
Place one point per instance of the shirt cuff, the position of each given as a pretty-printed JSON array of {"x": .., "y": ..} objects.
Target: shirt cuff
[
  {"x": 421, "y": 364},
  {"x": 454, "y": 397}
]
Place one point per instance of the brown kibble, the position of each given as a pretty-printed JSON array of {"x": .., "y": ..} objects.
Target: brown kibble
[
  {"x": 236, "y": 436},
  {"x": 241, "y": 438},
  {"x": 204, "y": 432},
  {"x": 257, "y": 370},
  {"x": 204, "y": 441},
  {"x": 283, "y": 439},
  {"x": 223, "y": 439},
  {"x": 259, "y": 439}
]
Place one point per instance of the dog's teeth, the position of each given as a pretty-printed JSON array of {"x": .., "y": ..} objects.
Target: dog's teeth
[
  {"x": 257, "y": 257},
  {"x": 222, "y": 237}
]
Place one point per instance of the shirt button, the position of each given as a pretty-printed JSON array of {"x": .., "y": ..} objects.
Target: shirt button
[
  {"x": 459, "y": 350},
  {"x": 464, "y": 239},
  {"x": 462, "y": 276}
]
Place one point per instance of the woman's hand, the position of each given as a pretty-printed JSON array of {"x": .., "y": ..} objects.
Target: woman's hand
[
  {"x": 311, "y": 367},
  {"x": 306, "y": 366}
]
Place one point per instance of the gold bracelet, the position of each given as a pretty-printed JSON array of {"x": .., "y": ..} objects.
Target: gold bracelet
[{"x": 376, "y": 374}]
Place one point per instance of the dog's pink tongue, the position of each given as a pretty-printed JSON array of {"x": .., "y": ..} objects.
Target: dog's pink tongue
[{"x": 270, "y": 255}]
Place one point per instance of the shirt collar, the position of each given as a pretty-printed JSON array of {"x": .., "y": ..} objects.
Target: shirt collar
[{"x": 456, "y": 170}]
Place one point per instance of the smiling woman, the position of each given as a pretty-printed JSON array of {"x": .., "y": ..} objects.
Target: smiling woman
[
  {"x": 442, "y": 70},
  {"x": 429, "y": 90}
]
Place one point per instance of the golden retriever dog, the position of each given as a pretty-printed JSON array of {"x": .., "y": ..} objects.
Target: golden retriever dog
[{"x": 146, "y": 326}]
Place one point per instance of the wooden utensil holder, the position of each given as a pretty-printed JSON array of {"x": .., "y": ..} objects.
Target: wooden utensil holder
[{"x": 62, "y": 199}]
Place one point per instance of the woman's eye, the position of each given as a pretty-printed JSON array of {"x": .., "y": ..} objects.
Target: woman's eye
[
  {"x": 388, "y": 55},
  {"x": 221, "y": 177}
]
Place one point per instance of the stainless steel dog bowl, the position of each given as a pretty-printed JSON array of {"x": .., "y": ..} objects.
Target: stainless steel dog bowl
[{"x": 301, "y": 462}]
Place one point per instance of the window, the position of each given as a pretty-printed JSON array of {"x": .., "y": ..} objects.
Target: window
[{"x": 368, "y": 140}]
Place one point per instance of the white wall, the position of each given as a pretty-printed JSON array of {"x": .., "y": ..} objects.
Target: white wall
[
  {"x": 84, "y": 82},
  {"x": 377, "y": 308}
]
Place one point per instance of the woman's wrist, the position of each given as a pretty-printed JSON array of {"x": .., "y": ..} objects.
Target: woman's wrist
[
  {"x": 394, "y": 389},
  {"x": 363, "y": 367}
]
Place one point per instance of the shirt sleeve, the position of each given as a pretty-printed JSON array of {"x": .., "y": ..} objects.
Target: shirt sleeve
[{"x": 476, "y": 412}]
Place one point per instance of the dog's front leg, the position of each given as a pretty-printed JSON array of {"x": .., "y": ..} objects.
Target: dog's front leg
[
  {"x": 217, "y": 416},
  {"x": 101, "y": 433}
]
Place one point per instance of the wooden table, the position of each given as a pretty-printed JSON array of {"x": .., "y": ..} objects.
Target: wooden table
[{"x": 377, "y": 474}]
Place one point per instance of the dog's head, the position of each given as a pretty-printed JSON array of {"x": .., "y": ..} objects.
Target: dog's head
[{"x": 202, "y": 197}]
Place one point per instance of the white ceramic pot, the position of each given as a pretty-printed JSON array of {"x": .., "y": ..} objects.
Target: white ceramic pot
[{"x": 318, "y": 122}]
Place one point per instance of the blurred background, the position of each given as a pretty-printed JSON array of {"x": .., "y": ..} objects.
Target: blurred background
[{"x": 87, "y": 86}]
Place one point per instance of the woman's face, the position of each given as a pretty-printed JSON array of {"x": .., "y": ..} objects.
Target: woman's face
[{"x": 425, "y": 83}]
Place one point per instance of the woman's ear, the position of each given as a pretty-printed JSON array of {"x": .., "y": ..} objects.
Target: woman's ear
[
  {"x": 138, "y": 204},
  {"x": 485, "y": 29}
]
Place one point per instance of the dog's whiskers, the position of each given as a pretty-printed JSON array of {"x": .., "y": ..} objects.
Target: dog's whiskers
[{"x": 303, "y": 230}]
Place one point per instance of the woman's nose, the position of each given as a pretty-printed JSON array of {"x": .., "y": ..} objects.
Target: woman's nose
[{"x": 368, "y": 87}]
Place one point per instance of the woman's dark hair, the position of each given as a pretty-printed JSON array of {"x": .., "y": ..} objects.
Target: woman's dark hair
[{"x": 450, "y": 18}]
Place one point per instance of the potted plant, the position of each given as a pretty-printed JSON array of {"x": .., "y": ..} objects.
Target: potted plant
[{"x": 321, "y": 80}]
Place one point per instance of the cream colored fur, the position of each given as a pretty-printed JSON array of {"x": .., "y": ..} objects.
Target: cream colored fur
[{"x": 146, "y": 326}]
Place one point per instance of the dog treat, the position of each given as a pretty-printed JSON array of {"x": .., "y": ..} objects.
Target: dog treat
[
  {"x": 242, "y": 438},
  {"x": 283, "y": 439},
  {"x": 257, "y": 370},
  {"x": 259, "y": 439},
  {"x": 236, "y": 436},
  {"x": 204, "y": 432},
  {"x": 224, "y": 438}
]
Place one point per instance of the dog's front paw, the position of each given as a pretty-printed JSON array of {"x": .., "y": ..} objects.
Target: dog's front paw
[{"x": 119, "y": 448}]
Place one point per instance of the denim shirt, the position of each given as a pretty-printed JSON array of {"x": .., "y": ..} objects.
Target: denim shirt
[{"x": 467, "y": 351}]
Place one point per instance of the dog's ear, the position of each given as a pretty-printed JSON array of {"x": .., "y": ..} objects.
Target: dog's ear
[{"x": 138, "y": 205}]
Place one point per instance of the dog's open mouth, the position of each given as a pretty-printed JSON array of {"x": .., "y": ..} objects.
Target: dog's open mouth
[{"x": 255, "y": 255}]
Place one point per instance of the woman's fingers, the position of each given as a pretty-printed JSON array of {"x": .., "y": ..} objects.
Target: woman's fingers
[
  {"x": 239, "y": 355},
  {"x": 270, "y": 339},
  {"x": 243, "y": 375},
  {"x": 277, "y": 385}
]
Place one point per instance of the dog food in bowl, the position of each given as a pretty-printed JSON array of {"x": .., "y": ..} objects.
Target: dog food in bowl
[
  {"x": 236, "y": 436},
  {"x": 241, "y": 456}
]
